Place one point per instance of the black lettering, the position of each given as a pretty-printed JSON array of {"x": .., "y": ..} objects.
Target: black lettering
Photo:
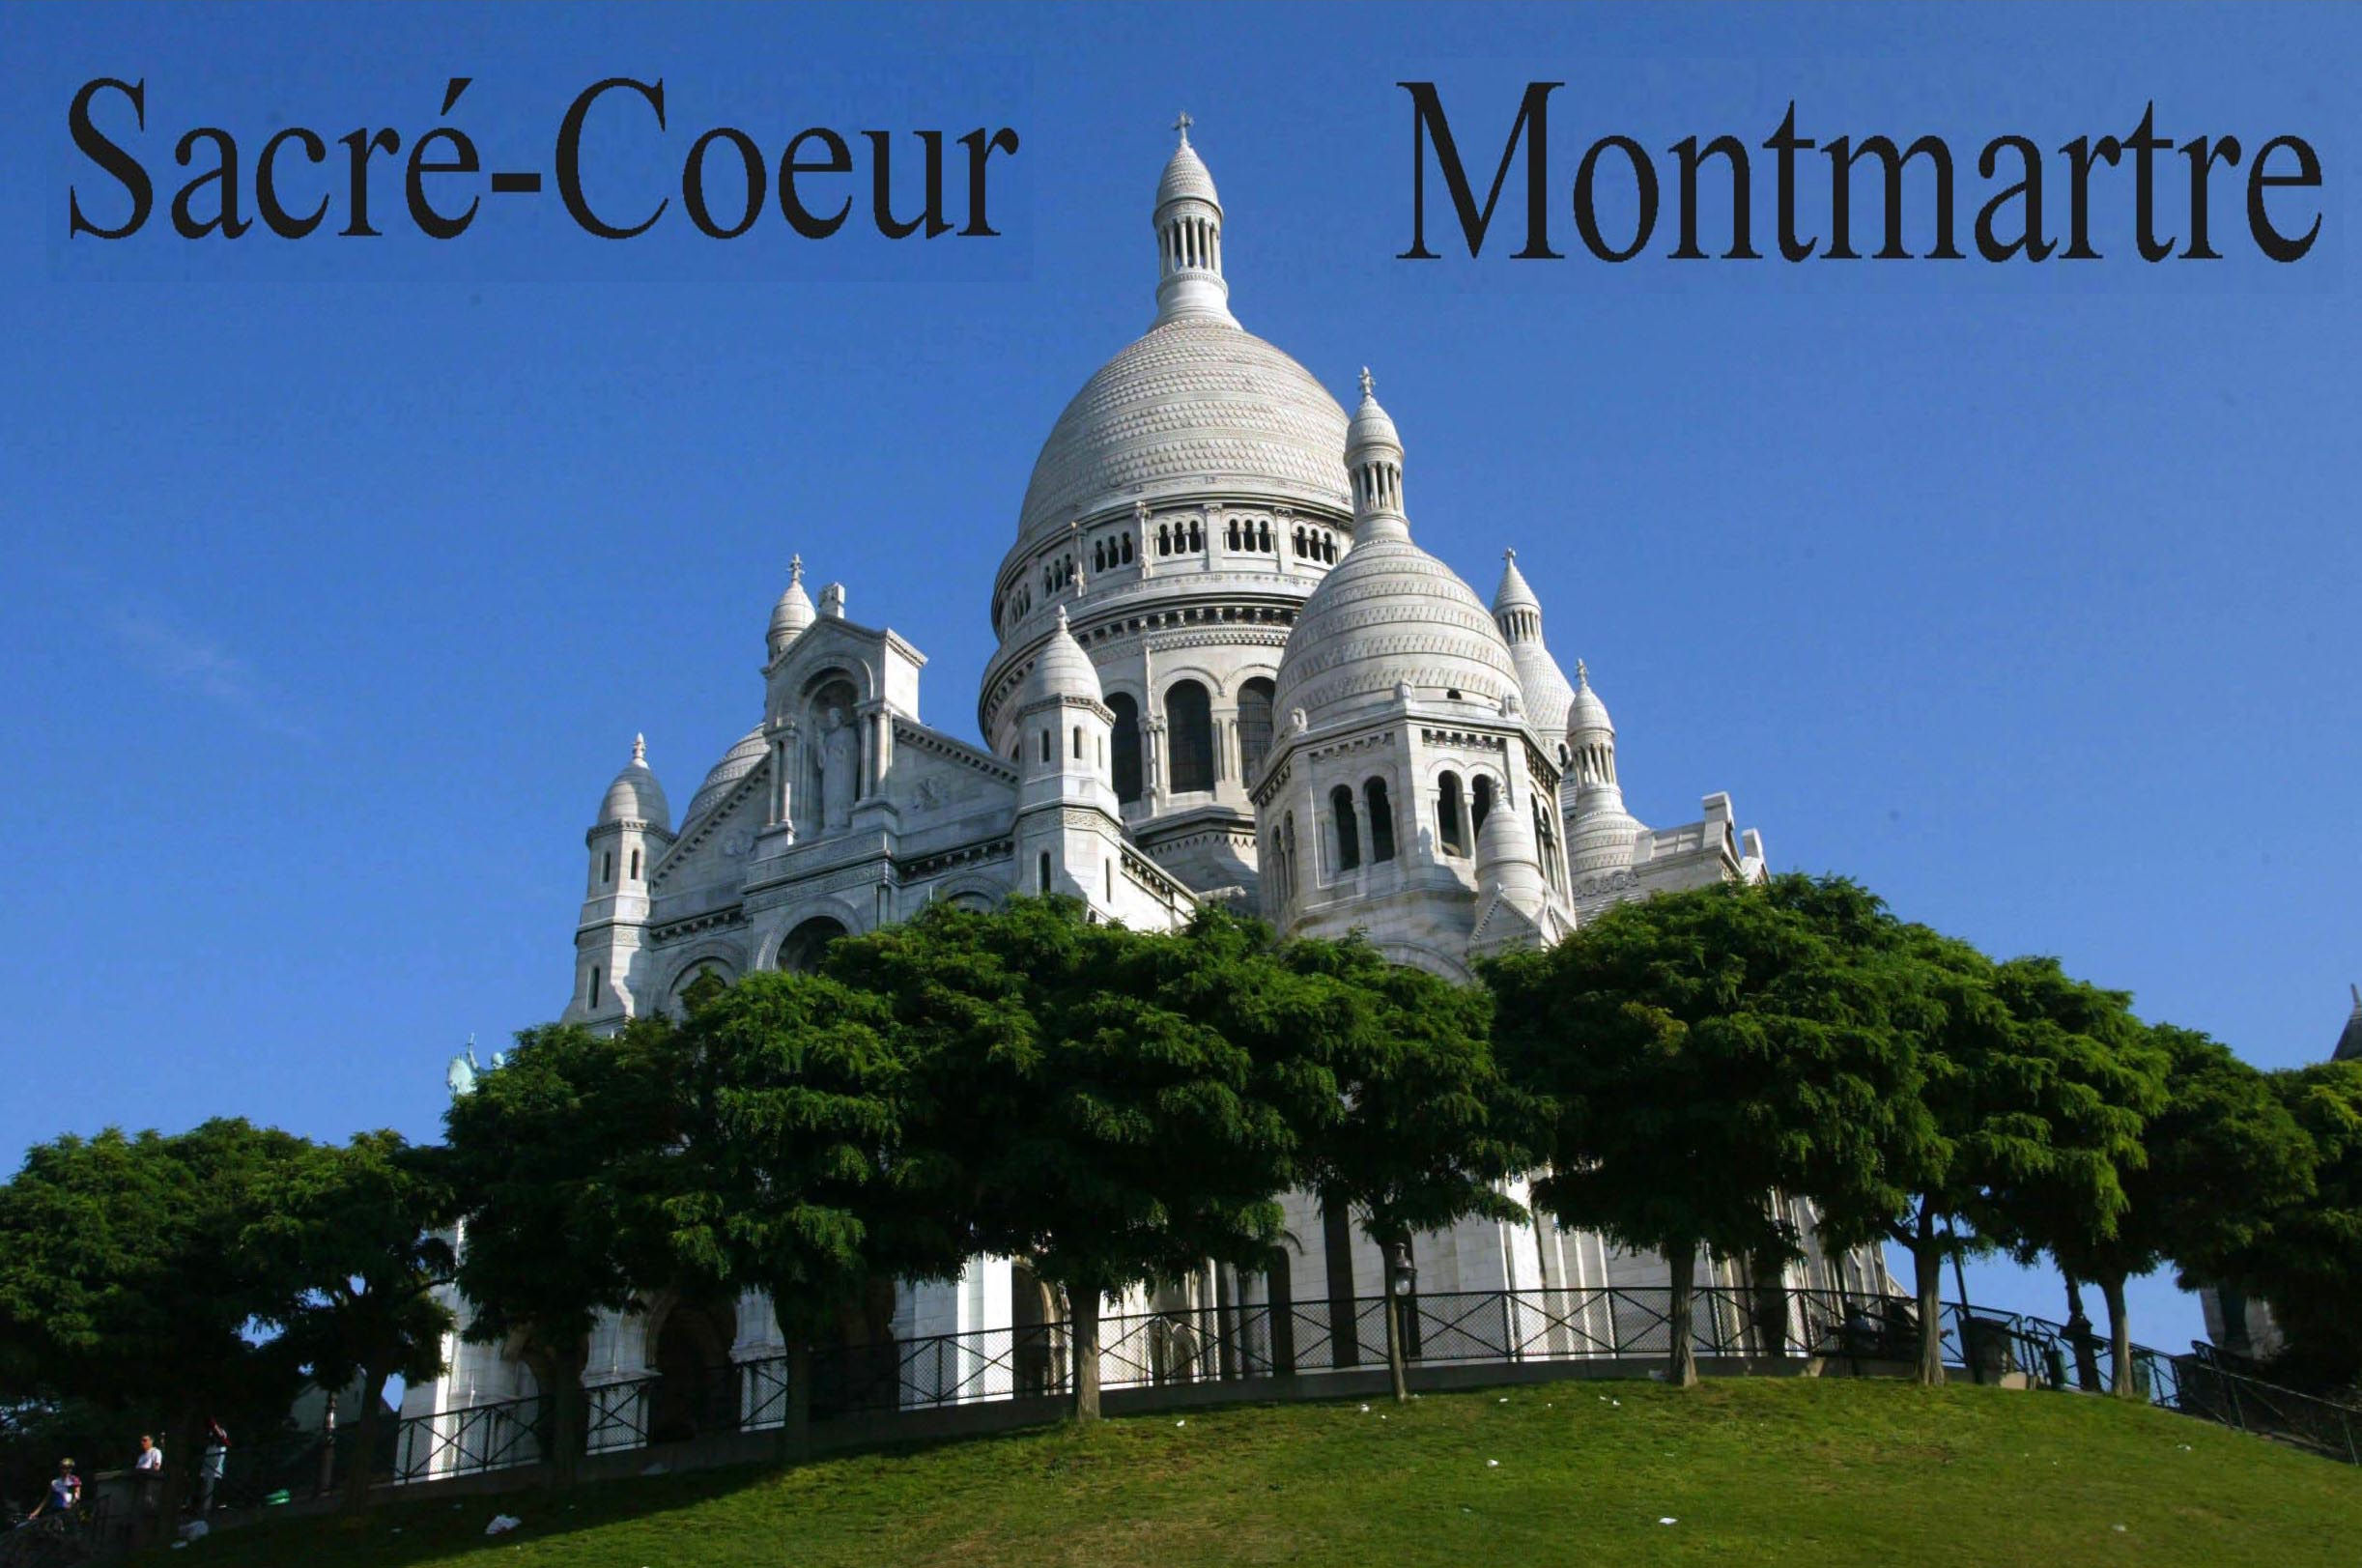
[
  {"x": 224, "y": 173},
  {"x": 1787, "y": 144},
  {"x": 94, "y": 144},
  {"x": 2269, "y": 240},
  {"x": 2202, "y": 159},
  {"x": 1586, "y": 215},
  {"x": 1843, "y": 155},
  {"x": 692, "y": 183},
  {"x": 1003, "y": 140},
  {"x": 276, "y": 218},
  {"x": 1532, "y": 126},
  {"x": 422, "y": 211},
  {"x": 881, "y": 186},
  {"x": 1742, "y": 199},
  {"x": 2080, "y": 154},
  {"x": 2031, "y": 240},
  {"x": 2145, "y": 143},
  {"x": 359, "y": 146},
  {"x": 570, "y": 156},
  {"x": 840, "y": 161}
]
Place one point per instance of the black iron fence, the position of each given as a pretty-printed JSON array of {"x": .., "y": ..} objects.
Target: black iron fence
[{"x": 1313, "y": 1339}]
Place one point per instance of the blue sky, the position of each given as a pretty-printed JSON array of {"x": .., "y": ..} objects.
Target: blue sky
[{"x": 339, "y": 574}]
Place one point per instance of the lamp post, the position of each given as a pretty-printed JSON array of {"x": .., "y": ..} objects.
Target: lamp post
[{"x": 1401, "y": 1281}]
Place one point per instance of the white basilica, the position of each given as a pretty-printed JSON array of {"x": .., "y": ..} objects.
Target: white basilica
[{"x": 1226, "y": 671}]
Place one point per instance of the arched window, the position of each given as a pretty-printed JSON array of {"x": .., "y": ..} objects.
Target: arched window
[
  {"x": 1287, "y": 859},
  {"x": 1078, "y": 743},
  {"x": 1127, "y": 738},
  {"x": 803, "y": 948},
  {"x": 1349, "y": 838},
  {"x": 1197, "y": 535},
  {"x": 1164, "y": 540},
  {"x": 1189, "y": 722},
  {"x": 1045, "y": 746},
  {"x": 1255, "y": 724},
  {"x": 1234, "y": 534},
  {"x": 1299, "y": 543},
  {"x": 1262, "y": 534},
  {"x": 592, "y": 999},
  {"x": 1450, "y": 833},
  {"x": 1098, "y": 555},
  {"x": 634, "y": 864},
  {"x": 1483, "y": 803},
  {"x": 1108, "y": 865},
  {"x": 1126, "y": 551},
  {"x": 1328, "y": 548},
  {"x": 1381, "y": 820},
  {"x": 1042, "y": 872},
  {"x": 606, "y": 868}
]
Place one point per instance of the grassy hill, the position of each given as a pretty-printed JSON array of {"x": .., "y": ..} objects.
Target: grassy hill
[{"x": 1789, "y": 1471}]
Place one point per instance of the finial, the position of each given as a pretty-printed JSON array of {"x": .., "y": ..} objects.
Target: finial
[
  {"x": 1062, "y": 619},
  {"x": 640, "y": 750},
  {"x": 1369, "y": 382},
  {"x": 795, "y": 568},
  {"x": 2357, "y": 993},
  {"x": 1582, "y": 674},
  {"x": 1183, "y": 126},
  {"x": 1510, "y": 555}
]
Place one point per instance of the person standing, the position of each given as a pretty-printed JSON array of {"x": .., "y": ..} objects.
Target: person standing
[
  {"x": 150, "y": 1473},
  {"x": 216, "y": 1461},
  {"x": 65, "y": 1494}
]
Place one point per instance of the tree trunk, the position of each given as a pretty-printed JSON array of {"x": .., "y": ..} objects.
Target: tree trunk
[
  {"x": 1083, "y": 1301},
  {"x": 1928, "y": 1275},
  {"x": 796, "y": 1434},
  {"x": 2120, "y": 1339},
  {"x": 361, "y": 1473},
  {"x": 563, "y": 1390},
  {"x": 1395, "y": 1369},
  {"x": 1682, "y": 1263}
]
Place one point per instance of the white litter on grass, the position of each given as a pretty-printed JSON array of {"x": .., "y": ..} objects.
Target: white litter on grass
[
  {"x": 1365, "y": 1409},
  {"x": 1617, "y": 1402},
  {"x": 1181, "y": 1423},
  {"x": 1505, "y": 1399},
  {"x": 1668, "y": 1520},
  {"x": 2118, "y": 1528},
  {"x": 502, "y": 1524},
  {"x": 1493, "y": 1463}
]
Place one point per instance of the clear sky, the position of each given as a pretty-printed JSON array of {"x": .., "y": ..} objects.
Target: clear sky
[{"x": 339, "y": 573}]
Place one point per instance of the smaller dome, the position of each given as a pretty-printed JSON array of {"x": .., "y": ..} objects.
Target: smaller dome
[
  {"x": 636, "y": 796},
  {"x": 1062, "y": 669},
  {"x": 1586, "y": 714},
  {"x": 1517, "y": 612},
  {"x": 736, "y": 763},
  {"x": 1514, "y": 593},
  {"x": 1372, "y": 427},
  {"x": 1185, "y": 176},
  {"x": 1601, "y": 835},
  {"x": 793, "y": 613}
]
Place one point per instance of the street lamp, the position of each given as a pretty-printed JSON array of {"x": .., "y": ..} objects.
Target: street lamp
[
  {"x": 1402, "y": 1278},
  {"x": 1405, "y": 1275}
]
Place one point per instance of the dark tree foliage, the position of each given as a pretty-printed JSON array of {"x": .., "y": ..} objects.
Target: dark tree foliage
[
  {"x": 2085, "y": 1079},
  {"x": 1706, "y": 1053},
  {"x": 128, "y": 1277},
  {"x": 1075, "y": 1102},
  {"x": 796, "y": 1176},
  {"x": 560, "y": 1164},
  {"x": 355, "y": 1226},
  {"x": 1426, "y": 1129},
  {"x": 2305, "y": 1259}
]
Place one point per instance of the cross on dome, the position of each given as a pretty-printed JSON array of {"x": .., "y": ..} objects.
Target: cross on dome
[
  {"x": 1582, "y": 673},
  {"x": 1369, "y": 382},
  {"x": 795, "y": 568},
  {"x": 639, "y": 748},
  {"x": 1183, "y": 126}
]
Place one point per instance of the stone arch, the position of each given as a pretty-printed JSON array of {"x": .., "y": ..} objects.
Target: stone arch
[
  {"x": 971, "y": 893},
  {"x": 723, "y": 960},
  {"x": 696, "y": 1391},
  {"x": 807, "y": 942},
  {"x": 839, "y": 910},
  {"x": 1189, "y": 756},
  {"x": 1124, "y": 746}
]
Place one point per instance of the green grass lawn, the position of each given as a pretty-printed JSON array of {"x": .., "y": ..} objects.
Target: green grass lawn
[{"x": 1820, "y": 1472}]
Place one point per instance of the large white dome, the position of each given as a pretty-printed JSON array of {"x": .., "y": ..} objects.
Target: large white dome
[{"x": 1196, "y": 404}]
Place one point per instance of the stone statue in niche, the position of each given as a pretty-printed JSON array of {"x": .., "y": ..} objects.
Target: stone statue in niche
[{"x": 839, "y": 761}]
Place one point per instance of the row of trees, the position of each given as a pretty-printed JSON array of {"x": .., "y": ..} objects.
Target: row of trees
[{"x": 1118, "y": 1108}]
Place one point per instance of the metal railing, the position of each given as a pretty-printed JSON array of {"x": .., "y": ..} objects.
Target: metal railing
[{"x": 1313, "y": 1339}]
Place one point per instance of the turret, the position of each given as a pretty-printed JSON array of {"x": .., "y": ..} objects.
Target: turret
[
  {"x": 1517, "y": 612},
  {"x": 1190, "y": 238},
  {"x": 1600, "y": 832},
  {"x": 792, "y": 614},
  {"x": 1063, "y": 725},
  {"x": 632, "y": 831}
]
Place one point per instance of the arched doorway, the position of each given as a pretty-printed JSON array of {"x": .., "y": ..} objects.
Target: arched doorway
[
  {"x": 697, "y": 1388},
  {"x": 804, "y": 946}
]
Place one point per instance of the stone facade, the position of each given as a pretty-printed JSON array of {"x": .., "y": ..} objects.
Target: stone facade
[{"x": 1226, "y": 672}]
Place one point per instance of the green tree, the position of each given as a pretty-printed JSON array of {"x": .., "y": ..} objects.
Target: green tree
[
  {"x": 355, "y": 1225},
  {"x": 1073, "y": 1102},
  {"x": 2305, "y": 1259},
  {"x": 1426, "y": 1129},
  {"x": 2089, "y": 1081},
  {"x": 2220, "y": 1158},
  {"x": 1701, "y": 1052},
  {"x": 127, "y": 1276},
  {"x": 560, "y": 1162},
  {"x": 794, "y": 1178}
]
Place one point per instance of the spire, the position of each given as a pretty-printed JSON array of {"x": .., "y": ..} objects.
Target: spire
[
  {"x": 1374, "y": 462},
  {"x": 1189, "y": 220},
  {"x": 640, "y": 750},
  {"x": 1515, "y": 594},
  {"x": 793, "y": 613}
]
